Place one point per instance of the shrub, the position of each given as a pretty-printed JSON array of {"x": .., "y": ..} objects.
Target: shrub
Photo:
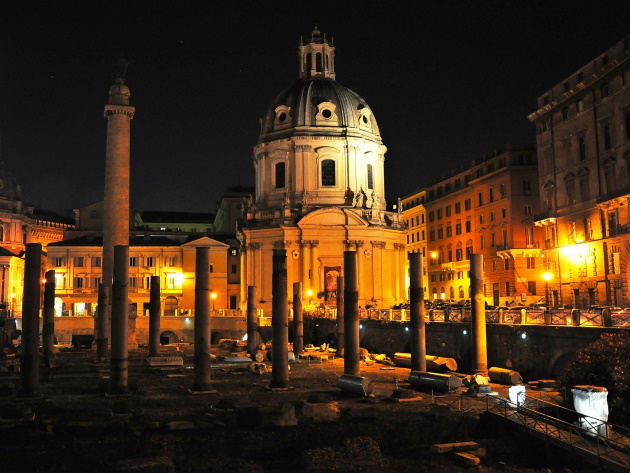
[{"x": 605, "y": 362}]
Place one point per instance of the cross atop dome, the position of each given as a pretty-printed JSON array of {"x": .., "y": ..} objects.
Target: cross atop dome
[{"x": 317, "y": 58}]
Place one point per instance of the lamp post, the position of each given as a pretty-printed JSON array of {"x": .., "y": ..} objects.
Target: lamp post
[
  {"x": 547, "y": 276},
  {"x": 213, "y": 296},
  {"x": 309, "y": 293}
]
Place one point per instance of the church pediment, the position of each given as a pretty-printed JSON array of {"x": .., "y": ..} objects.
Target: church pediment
[
  {"x": 205, "y": 241},
  {"x": 333, "y": 217}
]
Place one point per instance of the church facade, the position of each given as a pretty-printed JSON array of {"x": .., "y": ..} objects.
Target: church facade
[{"x": 319, "y": 167}]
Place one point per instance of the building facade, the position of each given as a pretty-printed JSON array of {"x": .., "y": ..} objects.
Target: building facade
[
  {"x": 487, "y": 208},
  {"x": 319, "y": 167},
  {"x": 21, "y": 224},
  {"x": 583, "y": 139},
  {"x": 78, "y": 266}
]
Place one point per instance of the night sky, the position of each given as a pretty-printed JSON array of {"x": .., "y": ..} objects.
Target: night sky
[{"x": 447, "y": 83}]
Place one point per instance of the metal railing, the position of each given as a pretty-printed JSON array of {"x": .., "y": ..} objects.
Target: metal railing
[{"x": 581, "y": 433}]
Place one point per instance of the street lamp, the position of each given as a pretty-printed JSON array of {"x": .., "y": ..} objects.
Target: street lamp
[
  {"x": 309, "y": 293},
  {"x": 547, "y": 276},
  {"x": 213, "y": 296}
]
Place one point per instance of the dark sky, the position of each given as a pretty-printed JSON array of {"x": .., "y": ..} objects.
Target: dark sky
[{"x": 447, "y": 81}]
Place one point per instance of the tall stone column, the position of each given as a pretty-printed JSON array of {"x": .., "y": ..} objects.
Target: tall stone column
[
  {"x": 154, "y": 317},
  {"x": 351, "y": 305},
  {"x": 341, "y": 321},
  {"x": 29, "y": 362},
  {"x": 252, "y": 323},
  {"x": 298, "y": 320},
  {"x": 48, "y": 323},
  {"x": 116, "y": 201},
  {"x": 119, "y": 363},
  {"x": 478, "y": 311},
  {"x": 418, "y": 329},
  {"x": 279, "y": 322},
  {"x": 201, "y": 378}
]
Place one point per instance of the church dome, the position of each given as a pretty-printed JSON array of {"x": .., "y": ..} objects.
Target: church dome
[{"x": 318, "y": 103}]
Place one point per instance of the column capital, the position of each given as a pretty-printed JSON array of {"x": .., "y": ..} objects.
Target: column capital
[
  {"x": 378, "y": 244},
  {"x": 119, "y": 109}
]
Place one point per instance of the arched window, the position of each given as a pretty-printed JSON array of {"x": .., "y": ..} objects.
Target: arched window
[
  {"x": 328, "y": 172},
  {"x": 280, "y": 175},
  {"x": 1, "y": 233},
  {"x": 452, "y": 292},
  {"x": 370, "y": 177},
  {"x": 318, "y": 62},
  {"x": 461, "y": 292},
  {"x": 308, "y": 65}
]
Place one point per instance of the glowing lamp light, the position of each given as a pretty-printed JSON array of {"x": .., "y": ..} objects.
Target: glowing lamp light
[
  {"x": 547, "y": 276},
  {"x": 361, "y": 326},
  {"x": 524, "y": 335},
  {"x": 179, "y": 278},
  {"x": 406, "y": 329},
  {"x": 465, "y": 332}
]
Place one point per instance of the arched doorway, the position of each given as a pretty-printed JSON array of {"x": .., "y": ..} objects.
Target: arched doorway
[{"x": 170, "y": 306}]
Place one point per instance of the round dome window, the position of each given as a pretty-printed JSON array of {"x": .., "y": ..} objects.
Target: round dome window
[
  {"x": 282, "y": 117},
  {"x": 326, "y": 113}
]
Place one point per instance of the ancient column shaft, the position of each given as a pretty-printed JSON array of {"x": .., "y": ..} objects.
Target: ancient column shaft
[
  {"x": 418, "y": 330},
  {"x": 201, "y": 380},
  {"x": 116, "y": 200},
  {"x": 351, "y": 312},
  {"x": 29, "y": 362},
  {"x": 154, "y": 317},
  {"x": 298, "y": 320},
  {"x": 478, "y": 309},
  {"x": 279, "y": 322},
  {"x": 48, "y": 327},
  {"x": 119, "y": 363},
  {"x": 252, "y": 323}
]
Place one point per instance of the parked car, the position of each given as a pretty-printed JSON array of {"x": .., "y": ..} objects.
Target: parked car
[{"x": 537, "y": 305}]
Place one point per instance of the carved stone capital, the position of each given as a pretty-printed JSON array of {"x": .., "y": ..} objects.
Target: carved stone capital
[
  {"x": 399, "y": 246},
  {"x": 354, "y": 244},
  {"x": 378, "y": 244}
]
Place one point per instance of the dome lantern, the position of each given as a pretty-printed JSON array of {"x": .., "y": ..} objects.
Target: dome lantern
[{"x": 317, "y": 58}]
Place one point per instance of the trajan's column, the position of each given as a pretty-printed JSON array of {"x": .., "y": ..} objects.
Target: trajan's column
[{"x": 116, "y": 203}]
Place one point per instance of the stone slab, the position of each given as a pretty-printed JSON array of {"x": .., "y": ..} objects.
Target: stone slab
[
  {"x": 165, "y": 361},
  {"x": 454, "y": 447},
  {"x": 466, "y": 458}
]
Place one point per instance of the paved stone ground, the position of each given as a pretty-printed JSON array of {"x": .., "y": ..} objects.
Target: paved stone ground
[{"x": 161, "y": 427}]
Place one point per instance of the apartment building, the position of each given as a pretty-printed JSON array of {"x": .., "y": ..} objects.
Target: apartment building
[{"x": 583, "y": 140}]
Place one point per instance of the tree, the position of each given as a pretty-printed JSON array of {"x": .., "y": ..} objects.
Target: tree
[{"x": 605, "y": 362}]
